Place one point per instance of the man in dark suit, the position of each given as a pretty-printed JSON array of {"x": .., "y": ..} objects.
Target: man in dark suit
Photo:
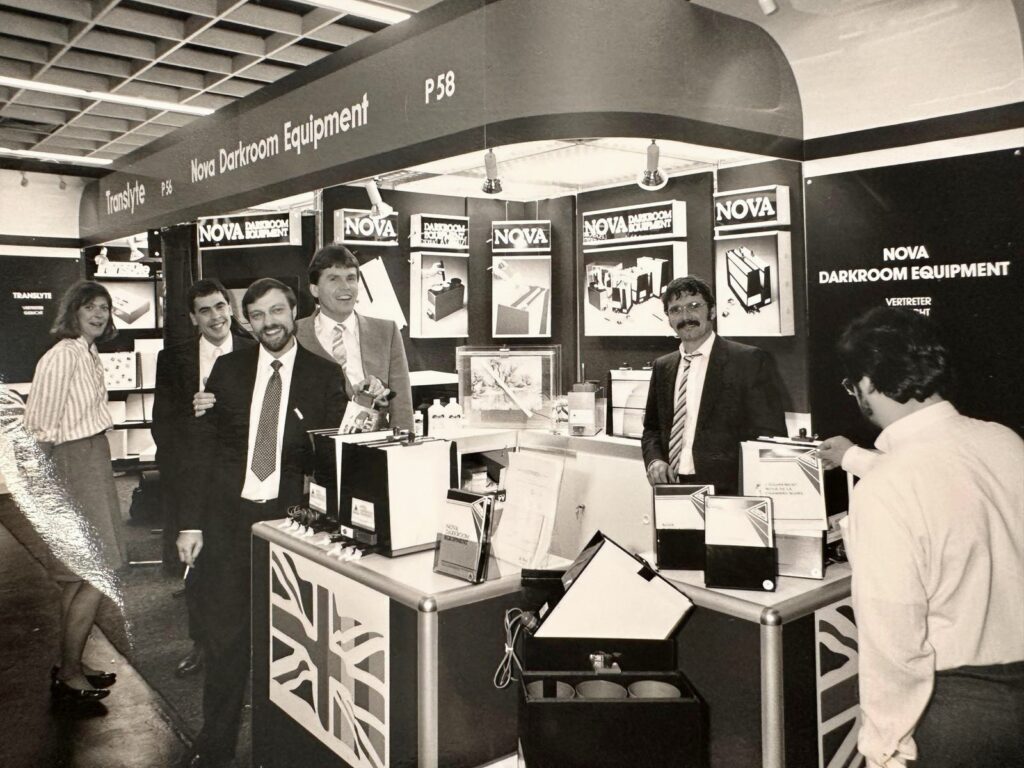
[
  {"x": 181, "y": 371},
  {"x": 368, "y": 348},
  {"x": 706, "y": 397},
  {"x": 252, "y": 455}
]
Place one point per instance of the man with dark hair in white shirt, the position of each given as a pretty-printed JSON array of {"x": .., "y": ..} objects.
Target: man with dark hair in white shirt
[{"x": 936, "y": 541}]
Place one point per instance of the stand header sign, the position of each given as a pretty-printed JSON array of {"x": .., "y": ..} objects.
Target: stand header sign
[
  {"x": 653, "y": 221},
  {"x": 521, "y": 236},
  {"x": 416, "y": 92},
  {"x": 357, "y": 227},
  {"x": 248, "y": 231},
  {"x": 432, "y": 230},
  {"x": 758, "y": 207}
]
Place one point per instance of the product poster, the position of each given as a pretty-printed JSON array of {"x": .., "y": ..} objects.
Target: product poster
[
  {"x": 521, "y": 296},
  {"x": 439, "y": 295},
  {"x": 377, "y": 297},
  {"x": 754, "y": 284},
  {"x": 623, "y": 287},
  {"x": 134, "y": 303},
  {"x": 508, "y": 383}
]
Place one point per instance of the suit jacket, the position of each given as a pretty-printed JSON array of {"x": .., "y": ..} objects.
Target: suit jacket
[
  {"x": 316, "y": 400},
  {"x": 177, "y": 380},
  {"x": 383, "y": 355},
  {"x": 739, "y": 402}
]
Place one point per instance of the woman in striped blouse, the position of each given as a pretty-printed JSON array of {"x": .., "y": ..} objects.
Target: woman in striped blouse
[{"x": 67, "y": 414}]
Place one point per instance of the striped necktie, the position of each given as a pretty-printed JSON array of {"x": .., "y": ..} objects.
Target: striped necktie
[
  {"x": 675, "y": 442},
  {"x": 338, "y": 345},
  {"x": 264, "y": 452}
]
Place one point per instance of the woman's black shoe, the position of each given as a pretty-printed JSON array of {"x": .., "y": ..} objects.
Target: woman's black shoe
[
  {"x": 99, "y": 680},
  {"x": 61, "y": 691}
]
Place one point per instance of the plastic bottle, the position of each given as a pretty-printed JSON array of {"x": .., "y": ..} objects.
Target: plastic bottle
[
  {"x": 417, "y": 423},
  {"x": 436, "y": 419},
  {"x": 453, "y": 417}
]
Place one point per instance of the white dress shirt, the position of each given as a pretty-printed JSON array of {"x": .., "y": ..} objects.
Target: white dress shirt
[
  {"x": 208, "y": 354},
  {"x": 68, "y": 399},
  {"x": 255, "y": 489},
  {"x": 324, "y": 327},
  {"x": 859, "y": 461},
  {"x": 694, "y": 388},
  {"x": 936, "y": 541}
]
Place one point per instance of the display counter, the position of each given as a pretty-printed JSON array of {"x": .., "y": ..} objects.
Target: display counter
[{"x": 382, "y": 662}]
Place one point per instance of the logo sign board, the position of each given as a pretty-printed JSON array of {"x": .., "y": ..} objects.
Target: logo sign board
[
  {"x": 521, "y": 236},
  {"x": 750, "y": 208},
  {"x": 248, "y": 231},
  {"x": 431, "y": 230},
  {"x": 653, "y": 221},
  {"x": 356, "y": 227}
]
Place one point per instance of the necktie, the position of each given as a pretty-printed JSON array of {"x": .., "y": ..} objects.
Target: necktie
[
  {"x": 675, "y": 442},
  {"x": 338, "y": 345},
  {"x": 264, "y": 454}
]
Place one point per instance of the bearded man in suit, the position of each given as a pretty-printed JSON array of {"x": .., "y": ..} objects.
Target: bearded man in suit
[
  {"x": 369, "y": 349},
  {"x": 181, "y": 371},
  {"x": 250, "y": 462},
  {"x": 706, "y": 397}
]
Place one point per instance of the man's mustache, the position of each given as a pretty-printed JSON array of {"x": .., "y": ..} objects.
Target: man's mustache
[{"x": 682, "y": 323}]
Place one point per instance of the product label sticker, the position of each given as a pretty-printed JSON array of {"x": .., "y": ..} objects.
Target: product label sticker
[{"x": 362, "y": 514}]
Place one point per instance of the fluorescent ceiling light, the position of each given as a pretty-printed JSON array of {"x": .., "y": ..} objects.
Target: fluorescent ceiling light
[
  {"x": 114, "y": 98},
  {"x": 364, "y": 10},
  {"x": 54, "y": 157}
]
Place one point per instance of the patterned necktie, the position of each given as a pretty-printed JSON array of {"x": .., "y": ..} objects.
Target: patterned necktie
[
  {"x": 264, "y": 453},
  {"x": 338, "y": 345},
  {"x": 675, "y": 442}
]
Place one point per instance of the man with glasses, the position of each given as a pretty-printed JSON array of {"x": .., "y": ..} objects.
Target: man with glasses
[
  {"x": 706, "y": 397},
  {"x": 936, "y": 540}
]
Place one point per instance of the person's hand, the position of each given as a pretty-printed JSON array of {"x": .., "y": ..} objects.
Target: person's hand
[
  {"x": 189, "y": 544},
  {"x": 202, "y": 402},
  {"x": 659, "y": 473},
  {"x": 831, "y": 451},
  {"x": 375, "y": 387}
]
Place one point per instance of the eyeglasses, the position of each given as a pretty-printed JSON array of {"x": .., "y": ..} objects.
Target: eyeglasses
[
  {"x": 693, "y": 306},
  {"x": 850, "y": 386}
]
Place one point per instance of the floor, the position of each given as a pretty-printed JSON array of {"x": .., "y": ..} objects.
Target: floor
[{"x": 131, "y": 728}]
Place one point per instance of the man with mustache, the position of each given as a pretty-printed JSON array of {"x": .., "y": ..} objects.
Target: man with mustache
[
  {"x": 251, "y": 457},
  {"x": 181, "y": 370},
  {"x": 705, "y": 398}
]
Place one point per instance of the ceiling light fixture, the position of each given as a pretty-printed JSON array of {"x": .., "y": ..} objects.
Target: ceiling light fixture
[
  {"x": 652, "y": 179},
  {"x": 24, "y": 179},
  {"x": 363, "y": 10},
  {"x": 113, "y": 98},
  {"x": 53, "y": 157},
  {"x": 492, "y": 185},
  {"x": 378, "y": 208},
  {"x": 768, "y": 7}
]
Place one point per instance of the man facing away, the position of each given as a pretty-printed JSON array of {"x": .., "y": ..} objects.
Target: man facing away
[
  {"x": 705, "y": 398},
  {"x": 936, "y": 541},
  {"x": 181, "y": 371},
  {"x": 369, "y": 349},
  {"x": 251, "y": 458}
]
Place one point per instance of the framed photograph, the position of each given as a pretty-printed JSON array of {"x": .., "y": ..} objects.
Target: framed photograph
[
  {"x": 754, "y": 284},
  {"x": 623, "y": 286},
  {"x": 521, "y": 296},
  {"x": 439, "y": 295}
]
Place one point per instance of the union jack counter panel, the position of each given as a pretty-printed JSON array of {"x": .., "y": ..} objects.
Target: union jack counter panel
[{"x": 374, "y": 664}]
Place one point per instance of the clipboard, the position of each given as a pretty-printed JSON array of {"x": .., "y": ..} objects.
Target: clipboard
[
  {"x": 679, "y": 526},
  {"x": 740, "y": 548}
]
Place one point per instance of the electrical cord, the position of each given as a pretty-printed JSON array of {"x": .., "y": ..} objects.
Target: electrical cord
[{"x": 506, "y": 671}]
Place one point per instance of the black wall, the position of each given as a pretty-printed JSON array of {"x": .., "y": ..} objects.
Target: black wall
[{"x": 963, "y": 210}]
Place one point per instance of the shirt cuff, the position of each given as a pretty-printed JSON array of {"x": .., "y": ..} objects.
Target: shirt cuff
[{"x": 859, "y": 461}]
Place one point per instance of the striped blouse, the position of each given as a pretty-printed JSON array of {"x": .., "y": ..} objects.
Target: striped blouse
[{"x": 68, "y": 399}]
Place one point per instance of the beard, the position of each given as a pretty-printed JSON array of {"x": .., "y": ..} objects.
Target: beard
[{"x": 276, "y": 345}]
